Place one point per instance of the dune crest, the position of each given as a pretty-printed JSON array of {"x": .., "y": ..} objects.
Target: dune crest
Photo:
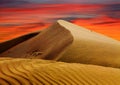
[
  {"x": 90, "y": 47},
  {"x": 44, "y": 72}
]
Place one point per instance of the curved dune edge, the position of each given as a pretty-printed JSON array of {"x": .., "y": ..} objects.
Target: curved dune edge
[
  {"x": 37, "y": 72},
  {"x": 89, "y": 47}
]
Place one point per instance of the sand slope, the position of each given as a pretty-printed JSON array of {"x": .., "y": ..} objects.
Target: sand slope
[
  {"x": 91, "y": 47},
  {"x": 76, "y": 43},
  {"x": 49, "y": 44},
  {"x": 43, "y": 72},
  {"x": 10, "y": 43}
]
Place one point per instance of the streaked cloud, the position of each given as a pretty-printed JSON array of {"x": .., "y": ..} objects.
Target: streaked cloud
[
  {"x": 102, "y": 23},
  {"x": 12, "y": 3},
  {"x": 30, "y": 16},
  {"x": 75, "y": 1},
  {"x": 111, "y": 10}
]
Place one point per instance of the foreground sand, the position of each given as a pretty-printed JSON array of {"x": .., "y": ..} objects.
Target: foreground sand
[
  {"x": 64, "y": 42},
  {"x": 43, "y": 72}
]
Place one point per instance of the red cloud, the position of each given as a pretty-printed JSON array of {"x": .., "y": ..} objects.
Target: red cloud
[{"x": 89, "y": 16}]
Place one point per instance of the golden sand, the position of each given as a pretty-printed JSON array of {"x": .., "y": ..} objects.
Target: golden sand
[
  {"x": 67, "y": 42},
  {"x": 43, "y": 72},
  {"x": 77, "y": 49}
]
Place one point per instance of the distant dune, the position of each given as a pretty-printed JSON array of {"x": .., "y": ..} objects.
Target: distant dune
[
  {"x": 8, "y": 44},
  {"x": 64, "y": 41},
  {"x": 43, "y": 72}
]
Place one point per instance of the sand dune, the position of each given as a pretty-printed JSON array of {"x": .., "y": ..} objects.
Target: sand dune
[
  {"x": 91, "y": 47},
  {"x": 50, "y": 43},
  {"x": 43, "y": 72},
  {"x": 67, "y": 42},
  {"x": 10, "y": 43}
]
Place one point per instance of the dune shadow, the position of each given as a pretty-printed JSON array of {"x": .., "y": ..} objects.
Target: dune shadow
[{"x": 8, "y": 44}]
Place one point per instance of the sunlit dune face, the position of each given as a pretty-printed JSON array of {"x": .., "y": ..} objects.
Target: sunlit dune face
[{"x": 16, "y": 21}]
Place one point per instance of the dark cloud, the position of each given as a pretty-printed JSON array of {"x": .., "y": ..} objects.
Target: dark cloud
[
  {"x": 75, "y": 1},
  {"x": 102, "y": 23},
  {"x": 12, "y": 3},
  {"x": 112, "y": 7},
  {"x": 68, "y": 18},
  {"x": 61, "y": 18},
  {"x": 112, "y": 10},
  {"x": 72, "y": 16},
  {"x": 59, "y": 1}
]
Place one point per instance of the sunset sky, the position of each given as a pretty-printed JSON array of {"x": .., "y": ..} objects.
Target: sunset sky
[{"x": 18, "y": 17}]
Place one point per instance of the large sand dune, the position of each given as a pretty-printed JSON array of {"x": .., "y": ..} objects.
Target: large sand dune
[
  {"x": 43, "y": 72},
  {"x": 67, "y": 42},
  {"x": 49, "y": 44},
  {"x": 91, "y": 47}
]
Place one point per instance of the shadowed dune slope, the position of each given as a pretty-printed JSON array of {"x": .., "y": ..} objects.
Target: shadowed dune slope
[
  {"x": 90, "y": 47},
  {"x": 48, "y": 44},
  {"x": 43, "y": 72},
  {"x": 8, "y": 44}
]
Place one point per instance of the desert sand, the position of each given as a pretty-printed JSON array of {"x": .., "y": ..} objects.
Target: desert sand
[
  {"x": 67, "y": 42},
  {"x": 90, "y": 47},
  {"x": 62, "y": 54},
  {"x": 44, "y": 72},
  {"x": 13, "y": 42},
  {"x": 49, "y": 42}
]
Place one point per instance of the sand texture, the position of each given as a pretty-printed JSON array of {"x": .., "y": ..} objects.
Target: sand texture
[
  {"x": 43, "y": 72},
  {"x": 62, "y": 54}
]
